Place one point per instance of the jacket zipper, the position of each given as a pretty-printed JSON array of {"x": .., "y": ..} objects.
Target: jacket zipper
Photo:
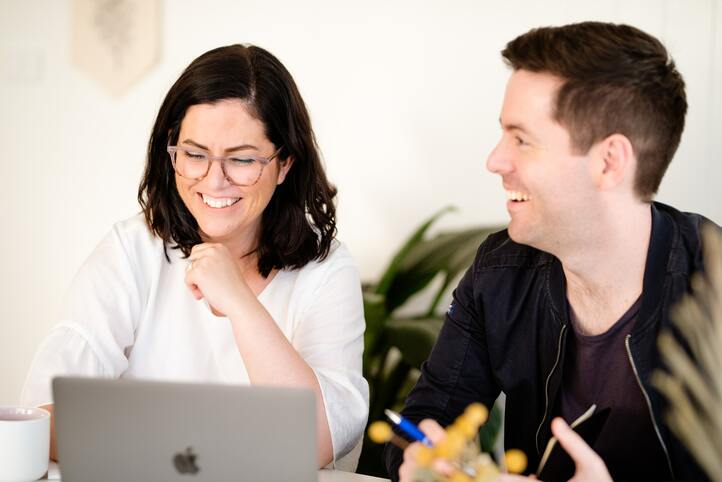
[
  {"x": 649, "y": 404},
  {"x": 546, "y": 388}
]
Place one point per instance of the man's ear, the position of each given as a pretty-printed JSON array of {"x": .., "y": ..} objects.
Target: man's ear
[
  {"x": 284, "y": 166},
  {"x": 615, "y": 162}
]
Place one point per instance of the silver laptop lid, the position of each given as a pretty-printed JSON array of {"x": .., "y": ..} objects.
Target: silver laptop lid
[{"x": 121, "y": 430}]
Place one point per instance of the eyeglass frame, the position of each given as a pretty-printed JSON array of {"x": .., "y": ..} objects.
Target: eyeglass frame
[{"x": 173, "y": 152}]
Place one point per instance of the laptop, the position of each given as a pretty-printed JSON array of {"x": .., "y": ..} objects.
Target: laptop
[{"x": 122, "y": 430}]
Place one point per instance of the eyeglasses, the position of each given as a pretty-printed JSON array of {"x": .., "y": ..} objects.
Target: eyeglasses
[{"x": 241, "y": 170}]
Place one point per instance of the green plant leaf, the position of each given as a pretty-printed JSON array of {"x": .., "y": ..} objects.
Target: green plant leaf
[
  {"x": 447, "y": 252},
  {"x": 416, "y": 237},
  {"x": 395, "y": 348},
  {"x": 375, "y": 314},
  {"x": 413, "y": 338},
  {"x": 459, "y": 261},
  {"x": 489, "y": 432}
]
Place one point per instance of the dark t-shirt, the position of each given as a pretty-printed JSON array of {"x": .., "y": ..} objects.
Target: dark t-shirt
[{"x": 597, "y": 370}]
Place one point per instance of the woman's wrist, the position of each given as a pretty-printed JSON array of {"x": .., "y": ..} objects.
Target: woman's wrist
[{"x": 242, "y": 307}]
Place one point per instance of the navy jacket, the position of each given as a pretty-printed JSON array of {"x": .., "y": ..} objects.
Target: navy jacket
[{"x": 507, "y": 327}]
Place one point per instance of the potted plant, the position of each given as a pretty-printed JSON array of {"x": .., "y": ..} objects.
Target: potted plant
[{"x": 396, "y": 345}]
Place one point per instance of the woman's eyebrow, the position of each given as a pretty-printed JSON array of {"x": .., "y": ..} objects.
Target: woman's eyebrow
[
  {"x": 194, "y": 143},
  {"x": 230, "y": 149}
]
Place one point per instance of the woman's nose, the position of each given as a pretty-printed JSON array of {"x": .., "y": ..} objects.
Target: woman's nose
[{"x": 216, "y": 177}]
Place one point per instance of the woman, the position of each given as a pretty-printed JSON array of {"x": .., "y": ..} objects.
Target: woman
[{"x": 238, "y": 213}]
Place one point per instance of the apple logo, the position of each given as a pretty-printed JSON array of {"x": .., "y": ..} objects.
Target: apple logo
[{"x": 185, "y": 463}]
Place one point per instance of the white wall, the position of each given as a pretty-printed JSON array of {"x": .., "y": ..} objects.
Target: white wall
[{"x": 404, "y": 96}]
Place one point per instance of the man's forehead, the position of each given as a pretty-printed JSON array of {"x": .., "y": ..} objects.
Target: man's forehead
[
  {"x": 529, "y": 98},
  {"x": 537, "y": 88},
  {"x": 536, "y": 78}
]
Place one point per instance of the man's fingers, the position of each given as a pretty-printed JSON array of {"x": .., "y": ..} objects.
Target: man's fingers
[
  {"x": 512, "y": 478},
  {"x": 408, "y": 467},
  {"x": 436, "y": 434},
  {"x": 575, "y": 446},
  {"x": 589, "y": 465},
  {"x": 443, "y": 466},
  {"x": 410, "y": 451},
  {"x": 432, "y": 430}
]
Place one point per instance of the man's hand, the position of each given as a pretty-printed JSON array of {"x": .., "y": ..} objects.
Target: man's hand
[
  {"x": 436, "y": 434},
  {"x": 589, "y": 466}
]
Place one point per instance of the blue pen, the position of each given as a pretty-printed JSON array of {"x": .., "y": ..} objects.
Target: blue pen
[
  {"x": 408, "y": 428},
  {"x": 413, "y": 431}
]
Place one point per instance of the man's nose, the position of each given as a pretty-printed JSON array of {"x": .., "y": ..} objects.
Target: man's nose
[{"x": 498, "y": 161}]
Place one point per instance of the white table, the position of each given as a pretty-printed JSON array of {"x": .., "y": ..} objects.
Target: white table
[
  {"x": 339, "y": 476},
  {"x": 323, "y": 475}
]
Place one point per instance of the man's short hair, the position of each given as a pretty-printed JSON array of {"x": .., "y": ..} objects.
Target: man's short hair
[{"x": 616, "y": 79}]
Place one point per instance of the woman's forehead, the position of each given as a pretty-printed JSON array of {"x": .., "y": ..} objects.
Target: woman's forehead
[{"x": 223, "y": 124}]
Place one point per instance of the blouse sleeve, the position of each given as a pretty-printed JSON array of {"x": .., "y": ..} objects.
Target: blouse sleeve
[
  {"x": 97, "y": 324},
  {"x": 64, "y": 352},
  {"x": 330, "y": 338}
]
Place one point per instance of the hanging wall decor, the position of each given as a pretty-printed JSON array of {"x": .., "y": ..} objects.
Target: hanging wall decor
[{"x": 116, "y": 41}]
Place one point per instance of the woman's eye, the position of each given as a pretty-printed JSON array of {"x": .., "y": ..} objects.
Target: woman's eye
[
  {"x": 240, "y": 161},
  {"x": 519, "y": 141},
  {"x": 197, "y": 156}
]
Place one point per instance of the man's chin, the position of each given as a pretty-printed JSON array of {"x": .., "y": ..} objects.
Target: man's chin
[
  {"x": 521, "y": 235},
  {"x": 516, "y": 233}
]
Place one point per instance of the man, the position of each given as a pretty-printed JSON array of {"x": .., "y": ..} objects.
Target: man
[{"x": 562, "y": 310}]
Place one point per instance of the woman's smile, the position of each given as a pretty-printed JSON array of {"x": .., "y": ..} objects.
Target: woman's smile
[{"x": 219, "y": 202}]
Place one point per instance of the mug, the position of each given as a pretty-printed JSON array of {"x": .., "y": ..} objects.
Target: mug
[{"x": 24, "y": 443}]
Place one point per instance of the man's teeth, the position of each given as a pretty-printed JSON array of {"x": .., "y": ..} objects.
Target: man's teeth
[
  {"x": 518, "y": 196},
  {"x": 219, "y": 202}
]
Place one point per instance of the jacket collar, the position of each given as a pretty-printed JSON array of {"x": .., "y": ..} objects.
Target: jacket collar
[{"x": 656, "y": 267}]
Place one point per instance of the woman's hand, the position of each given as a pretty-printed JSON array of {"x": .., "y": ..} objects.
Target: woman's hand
[
  {"x": 213, "y": 274},
  {"x": 269, "y": 358}
]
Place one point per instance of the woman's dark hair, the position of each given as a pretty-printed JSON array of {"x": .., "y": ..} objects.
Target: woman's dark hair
[{"x": 299, "y": 223}]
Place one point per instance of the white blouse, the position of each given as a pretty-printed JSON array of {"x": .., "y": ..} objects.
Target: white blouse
[{"x": 129, "y": 314}]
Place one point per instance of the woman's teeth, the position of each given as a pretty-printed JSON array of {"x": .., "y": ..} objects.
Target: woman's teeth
[
  {"x": 219, "y": 202},
  {"x": 517, "y": 196}
]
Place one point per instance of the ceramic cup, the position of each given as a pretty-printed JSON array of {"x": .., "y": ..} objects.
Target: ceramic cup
[{"x": 24, "y": 443}]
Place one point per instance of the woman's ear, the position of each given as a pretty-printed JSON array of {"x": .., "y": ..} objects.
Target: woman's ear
[{"x": 284, "y": 166}]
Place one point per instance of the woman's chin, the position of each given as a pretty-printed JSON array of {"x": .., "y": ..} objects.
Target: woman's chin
[
  {"x": 223, "y": 232},
  {"x": 215, "y": 232}
]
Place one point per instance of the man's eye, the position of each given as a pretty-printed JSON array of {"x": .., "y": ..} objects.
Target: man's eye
[
  {"x": 519, "y": 141},
  {"x": 237, "y": 161}
]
